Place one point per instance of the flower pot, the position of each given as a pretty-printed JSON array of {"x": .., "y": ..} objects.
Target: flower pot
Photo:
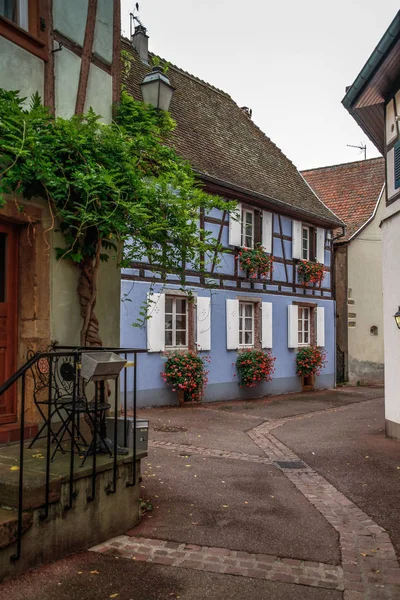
[
  {"x": 307, "y": 382},
  {"x": 181, "y": 397}
]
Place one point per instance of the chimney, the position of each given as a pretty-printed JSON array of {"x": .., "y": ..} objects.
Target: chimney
[{"x": 140, "y": 41}]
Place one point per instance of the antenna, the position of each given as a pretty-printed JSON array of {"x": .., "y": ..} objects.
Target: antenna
[
  {"x": 362, "y": 147},
  {"x": 135, "y": 17}
]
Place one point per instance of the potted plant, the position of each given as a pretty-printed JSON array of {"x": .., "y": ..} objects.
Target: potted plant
[
  {"x": 311, "y": 271},
  {"x": 254, "y": 366},
  {"x": 310, "y": 360},
  {"x": 186, "y": 373},
  {"x": 255, "y": 261}
]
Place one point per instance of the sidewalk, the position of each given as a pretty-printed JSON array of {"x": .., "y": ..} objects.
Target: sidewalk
[{"x": 237, "y": 515}]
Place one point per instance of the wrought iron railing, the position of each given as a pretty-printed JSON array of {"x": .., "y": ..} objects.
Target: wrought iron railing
[{"x": 61, "y": 397}]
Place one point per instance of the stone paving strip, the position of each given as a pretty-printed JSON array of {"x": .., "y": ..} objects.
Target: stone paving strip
[
  {"x": 371, "y": 570},
  {"x": 213, "y": 453},
  {"x": 221, "y": 560}
]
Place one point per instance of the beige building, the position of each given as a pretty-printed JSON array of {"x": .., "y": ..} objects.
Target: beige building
[{"x": 355, "y": 192}]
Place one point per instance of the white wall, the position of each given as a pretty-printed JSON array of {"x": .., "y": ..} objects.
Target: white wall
[
  {"x": 366, "y": 351},
  {"x": 20, "y": 70}
]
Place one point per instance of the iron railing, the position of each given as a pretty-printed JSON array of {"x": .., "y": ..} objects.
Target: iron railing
[{"x": 60, "y": 395}]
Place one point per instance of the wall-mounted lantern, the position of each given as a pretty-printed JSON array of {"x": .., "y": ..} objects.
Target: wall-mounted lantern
[
  {"x": 157, "y": 89},
  {"x": 397, "y": 318}
]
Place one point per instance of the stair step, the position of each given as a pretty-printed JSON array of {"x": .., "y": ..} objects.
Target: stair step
[
  {"x": 12, "y": 432},
  {"x": 9, "y": 525}
]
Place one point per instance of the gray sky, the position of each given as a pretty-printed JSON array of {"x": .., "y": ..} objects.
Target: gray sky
[{"x": 288, "y": 60}]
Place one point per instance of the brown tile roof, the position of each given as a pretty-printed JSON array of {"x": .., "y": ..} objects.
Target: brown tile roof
[
  {"x": 221, "y": 142},
  {"x": 351, "y": 190}
]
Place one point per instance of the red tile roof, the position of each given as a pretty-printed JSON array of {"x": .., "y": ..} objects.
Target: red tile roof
[
  {"x": 221, "y": 142},
  {"x": 351, "y": 190}
]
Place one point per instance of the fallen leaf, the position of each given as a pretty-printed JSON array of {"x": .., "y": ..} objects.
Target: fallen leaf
[
  {"x": 246, "y": 502},
  {"x": 225, "y": 506},
  {"x": 364, "y": 554},
  {"x": 377, "y": 571},
  {"x": 113, "y": 595},
  {"x": 14, "y": 468},
  {"x": 95, "y": 572},
  {"x": 79, "y": 572},
  {"x": 188, "y": 465},
  {"x": 195, "y": 523}
]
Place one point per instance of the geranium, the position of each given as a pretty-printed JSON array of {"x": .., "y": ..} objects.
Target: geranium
[
  {"x": 311, "y": 271},
  {"x": 256, "y": 261},
  {"x": 254, "y": 366},
  {"x": 186, "y": 371},
  {"x": 310, "y": 360}
]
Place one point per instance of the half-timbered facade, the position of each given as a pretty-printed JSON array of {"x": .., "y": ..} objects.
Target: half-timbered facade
[
  {"x": 68, "y": 52},
  {"x": 373, "y": 100},
  {"x": 232, "y": 311}
]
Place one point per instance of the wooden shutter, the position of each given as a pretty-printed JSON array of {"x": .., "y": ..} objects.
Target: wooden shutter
[
  {"x": 232, "y": 324},
  {"x": 320, "y": 254},
  {"x": 266, "y": 232},
  {"x": 266, "y": 328},
  {"x": 203, "y": 323},
  {"x": 156, "y": 322},
  {"x": 397, "y": 166},
  {"x": 320, "y": 326},
  {"x": 296, "y": 239},
  {"x": 293, "y": 326},
  {"x": 235, "y": 227}
]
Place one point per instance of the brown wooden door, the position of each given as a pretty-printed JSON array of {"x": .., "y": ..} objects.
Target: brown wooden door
[{"x": 8, "y": 318}]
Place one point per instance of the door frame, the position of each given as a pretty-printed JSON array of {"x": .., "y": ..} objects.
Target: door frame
[{"x": 12, "y": 299}]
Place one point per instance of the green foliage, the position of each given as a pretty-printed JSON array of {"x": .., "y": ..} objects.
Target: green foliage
[
  {"x": 254, "y": 366},
  {"x": 107, "y": 185}
]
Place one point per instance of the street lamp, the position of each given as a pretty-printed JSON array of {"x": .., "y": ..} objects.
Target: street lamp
[
  {"x": 397, "y": 318},
  {"x": 157, "y": 89}
]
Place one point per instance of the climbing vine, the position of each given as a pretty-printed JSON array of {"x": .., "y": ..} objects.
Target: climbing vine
[{"x": 107, "y": 187}]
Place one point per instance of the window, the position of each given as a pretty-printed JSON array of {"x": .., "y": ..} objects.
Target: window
[
  {"x": 305, "y": 243},
  {"x": 176, "y": 319},
  {"x": 248, "y": 228},
  {"x": 246, "y": 323},
  {"x": 397, "y": 166},
  {"x": 16, "y": 11},
  {"x": 303, "y": 326}
]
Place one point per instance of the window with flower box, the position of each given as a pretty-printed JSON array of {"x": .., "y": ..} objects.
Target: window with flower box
[
  {"x": 304, "y": 326},
  {"x": 246, "y": 324}
]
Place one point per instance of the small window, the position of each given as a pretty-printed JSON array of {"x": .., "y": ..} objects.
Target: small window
[
  {"x": 246, "y": 323},
  {"x": 397, "y": 166},
  {"x": 176, "y": 319},
  {"x": 305, "y": 243},
  {"x": 16, "y": 11},
  {"x": 248, "y": 228},
  {"x": 304, "y": 326}
]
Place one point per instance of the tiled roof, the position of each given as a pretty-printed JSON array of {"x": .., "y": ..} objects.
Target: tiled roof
[
  {"x": 222, "y": 142},
  {"x": 351, "y": 190}
]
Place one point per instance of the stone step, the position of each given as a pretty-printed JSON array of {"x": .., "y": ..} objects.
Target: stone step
[
  {"x": 9, "y": 525},
  {"x": 12, "y": 432}
]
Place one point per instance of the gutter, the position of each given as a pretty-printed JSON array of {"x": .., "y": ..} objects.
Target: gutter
[
  {"x": 373, "y": 63},
  {"x": 279, "y": 203}
]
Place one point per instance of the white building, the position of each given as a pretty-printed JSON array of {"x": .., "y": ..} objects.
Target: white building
[{"x": 374, "y": 102}]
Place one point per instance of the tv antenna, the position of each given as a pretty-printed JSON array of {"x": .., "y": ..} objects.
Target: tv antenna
[
  {"x": 362, "y": 147},
  {"x": 134, "y": 18}
]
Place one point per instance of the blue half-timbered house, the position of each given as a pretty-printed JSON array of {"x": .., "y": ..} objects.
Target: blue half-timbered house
[{"x": 234, "y": 159}]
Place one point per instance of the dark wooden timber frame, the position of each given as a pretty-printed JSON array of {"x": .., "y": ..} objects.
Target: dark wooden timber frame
[{"x": 86, "y": 56}]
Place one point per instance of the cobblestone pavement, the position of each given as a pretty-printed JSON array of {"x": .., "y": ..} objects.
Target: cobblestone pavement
[
  {"x": 222, "y": 560},
  {"x": 369, "y": 568}
]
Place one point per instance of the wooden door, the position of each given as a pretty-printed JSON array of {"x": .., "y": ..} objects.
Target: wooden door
[{"x": 8, "y": 318}]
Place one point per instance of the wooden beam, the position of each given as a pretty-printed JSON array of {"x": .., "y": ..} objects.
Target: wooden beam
[
  {"x": 86, "y": 57},
  {"x": 116, "y": 61},
  {"x": 49, "y": 78}
]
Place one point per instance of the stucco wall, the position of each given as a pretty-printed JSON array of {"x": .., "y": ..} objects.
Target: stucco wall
[
  {"x": 366, "y": 351},
  {"x": 20, "y": 70}
]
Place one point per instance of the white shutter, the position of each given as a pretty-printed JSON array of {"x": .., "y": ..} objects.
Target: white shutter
[
  {"x": 266, "y": 328},
  {"x": 267, "y": 219},
  {"x": 156, "y": 322},
  {"x": 293, "y": 326},
  {"x": 235, "y": 227},
  {"x": 232, "y": 324},
  {"x": 296, "y": 239},
  {"x": 320, "y": 245},
  {"x": 203, "y": 323},
  {"x": 320, "y": 326}
]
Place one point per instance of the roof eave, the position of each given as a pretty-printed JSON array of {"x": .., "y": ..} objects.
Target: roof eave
[{"x": 284, "y": 206}]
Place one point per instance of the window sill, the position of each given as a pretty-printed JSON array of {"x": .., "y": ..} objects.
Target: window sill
[{"x": 22, "y": 38}]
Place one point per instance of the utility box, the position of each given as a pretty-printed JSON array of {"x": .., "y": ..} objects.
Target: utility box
[
  {"x": 142, "y": 432},
  {"x": 100, "y": 366}
]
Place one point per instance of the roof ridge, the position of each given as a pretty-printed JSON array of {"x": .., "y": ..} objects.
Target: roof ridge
[
  {"x": 176, "y": 68},
  {"x": 345, "y": 164}
]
